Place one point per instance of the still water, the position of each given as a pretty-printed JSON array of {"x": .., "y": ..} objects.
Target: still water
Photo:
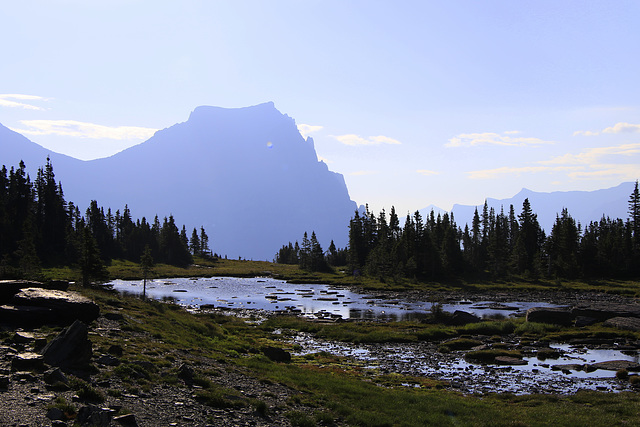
[{"x": 314, "y": 300}]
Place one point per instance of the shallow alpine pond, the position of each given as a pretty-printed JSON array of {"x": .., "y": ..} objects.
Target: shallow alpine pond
[
  {"x": 310, "y": 300},
  {"x": 555, "y": 368}
]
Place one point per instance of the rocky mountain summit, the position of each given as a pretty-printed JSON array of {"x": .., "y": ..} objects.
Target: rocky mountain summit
[{"x": 246, "y": 174}]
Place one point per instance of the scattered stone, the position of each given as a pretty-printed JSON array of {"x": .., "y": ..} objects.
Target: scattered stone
[
  {"x": 186, "y": 373},
  {"x": 70, "y": 349},
  {"x": 616, "y": 365},
  {"x": 277, "y": 354},
  {"x": 115, "y": 350},
  {"x": 556, "y": 316},
  {"x": 507, "y": 360},
  {"x": 607, "y": 310},
  {"x": 568, "y": 367},
  {"x": 582, "y": 321},
  {"x": 460, "y": 318},
  {"x": 55, "y": 376},
  {"x": 94, "y": 416},
  {"x": 114, "y": 316},
  {"x": 626, "y": 323},
  {"x": 23, "y": 337},
  {"x": 27, "y": 361},
  {"x": 108, "y": 360},
  {"x": 128, "y": 420},
  {"x": 56, "y": 414}
]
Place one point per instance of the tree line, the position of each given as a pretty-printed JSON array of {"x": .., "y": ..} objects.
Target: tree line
[
  {"x": 310, "y": 256},
  {"x": 496, "y": 245},
  {"x": 39, "y": 228}
]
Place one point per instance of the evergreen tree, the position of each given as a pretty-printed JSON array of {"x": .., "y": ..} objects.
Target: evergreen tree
[
  {"x": 204, "y": 243},
  {"x": 91, "y": 264},
  {"x": 563, "y": 245},
  {"x": 529, "y": 242},
  {"x": 194, "y": 244},
  {"x": 146, "y": 264}
]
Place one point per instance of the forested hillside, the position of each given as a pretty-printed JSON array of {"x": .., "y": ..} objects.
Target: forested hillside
[{"x": 39, "y": 228}]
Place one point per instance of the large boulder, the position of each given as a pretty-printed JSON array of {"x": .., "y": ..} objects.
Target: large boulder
[
  {"x": 277, "y": 354},
  {"x": 460, "y": 318},
  {"x": 553, "y": 315},
  {"x": 65, "y": 306},
  {"x": 8, "y": 288},
  {"x": 27, "y": 316},
  {"x": 71, "y": 349},
  {"x": 604, "y": 311},
  {"x": 626, "y": 323}
]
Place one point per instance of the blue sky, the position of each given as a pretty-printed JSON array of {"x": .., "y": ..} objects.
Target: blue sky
[{"x": 414, "y": 102}]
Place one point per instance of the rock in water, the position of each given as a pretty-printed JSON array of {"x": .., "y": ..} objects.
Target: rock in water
[
  {"x": 71, "y": 349},
  {"x": 556, "y": 316}
]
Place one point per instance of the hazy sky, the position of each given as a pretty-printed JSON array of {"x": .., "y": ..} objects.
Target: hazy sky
[{"x": 414, "y": 102}]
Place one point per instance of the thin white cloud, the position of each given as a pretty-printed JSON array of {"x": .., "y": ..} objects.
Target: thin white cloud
[
  {"x": 588, "y": 164},
  {"x": 363, "y": 173},
  {"x": 492, "y": 138},
  {"x": 305, "y": 130},
  {"x": 6, "y": 100},
  {"x": 84, "y": 130},
  {"x": 426, "y": 172},
  {"x": 625, "y": 172},
  {"x": 586, "y": 133},
  {"x": 357, "y": 140},
  {"x": 592, "y": 156},
  {"x": 620, "y": 127}
]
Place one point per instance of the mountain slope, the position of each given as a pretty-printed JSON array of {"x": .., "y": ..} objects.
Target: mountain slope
[
  {"x": 245, "y": 174},
  {"x": 583, "y": 206}
]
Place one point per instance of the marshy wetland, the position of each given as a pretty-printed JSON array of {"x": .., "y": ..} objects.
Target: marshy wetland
[{"x": 501, "y": 353}]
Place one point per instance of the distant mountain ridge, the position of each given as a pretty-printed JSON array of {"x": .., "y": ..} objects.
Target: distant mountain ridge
[
  {"x": 583, "y": 206},
  {"x": 245, "y": 174}
]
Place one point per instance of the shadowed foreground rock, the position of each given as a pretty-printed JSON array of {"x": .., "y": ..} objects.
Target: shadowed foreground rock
[
  {"x": 277, "y": 354},
  {"x": 71, "y": 349}
]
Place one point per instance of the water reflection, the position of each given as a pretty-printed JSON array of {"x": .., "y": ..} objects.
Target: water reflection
[{"x": 315, "y": 300}]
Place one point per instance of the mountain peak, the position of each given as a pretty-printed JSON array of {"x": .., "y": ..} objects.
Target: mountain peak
[{"x": 206, "y": 111}]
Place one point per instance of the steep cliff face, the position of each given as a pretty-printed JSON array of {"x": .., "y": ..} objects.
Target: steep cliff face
[{"x": 245, "y": 174}]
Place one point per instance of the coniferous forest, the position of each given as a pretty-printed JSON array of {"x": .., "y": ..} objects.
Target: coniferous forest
[
  {"x": 496, "y": 245},
  {"x": 39, "y": 228}
]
